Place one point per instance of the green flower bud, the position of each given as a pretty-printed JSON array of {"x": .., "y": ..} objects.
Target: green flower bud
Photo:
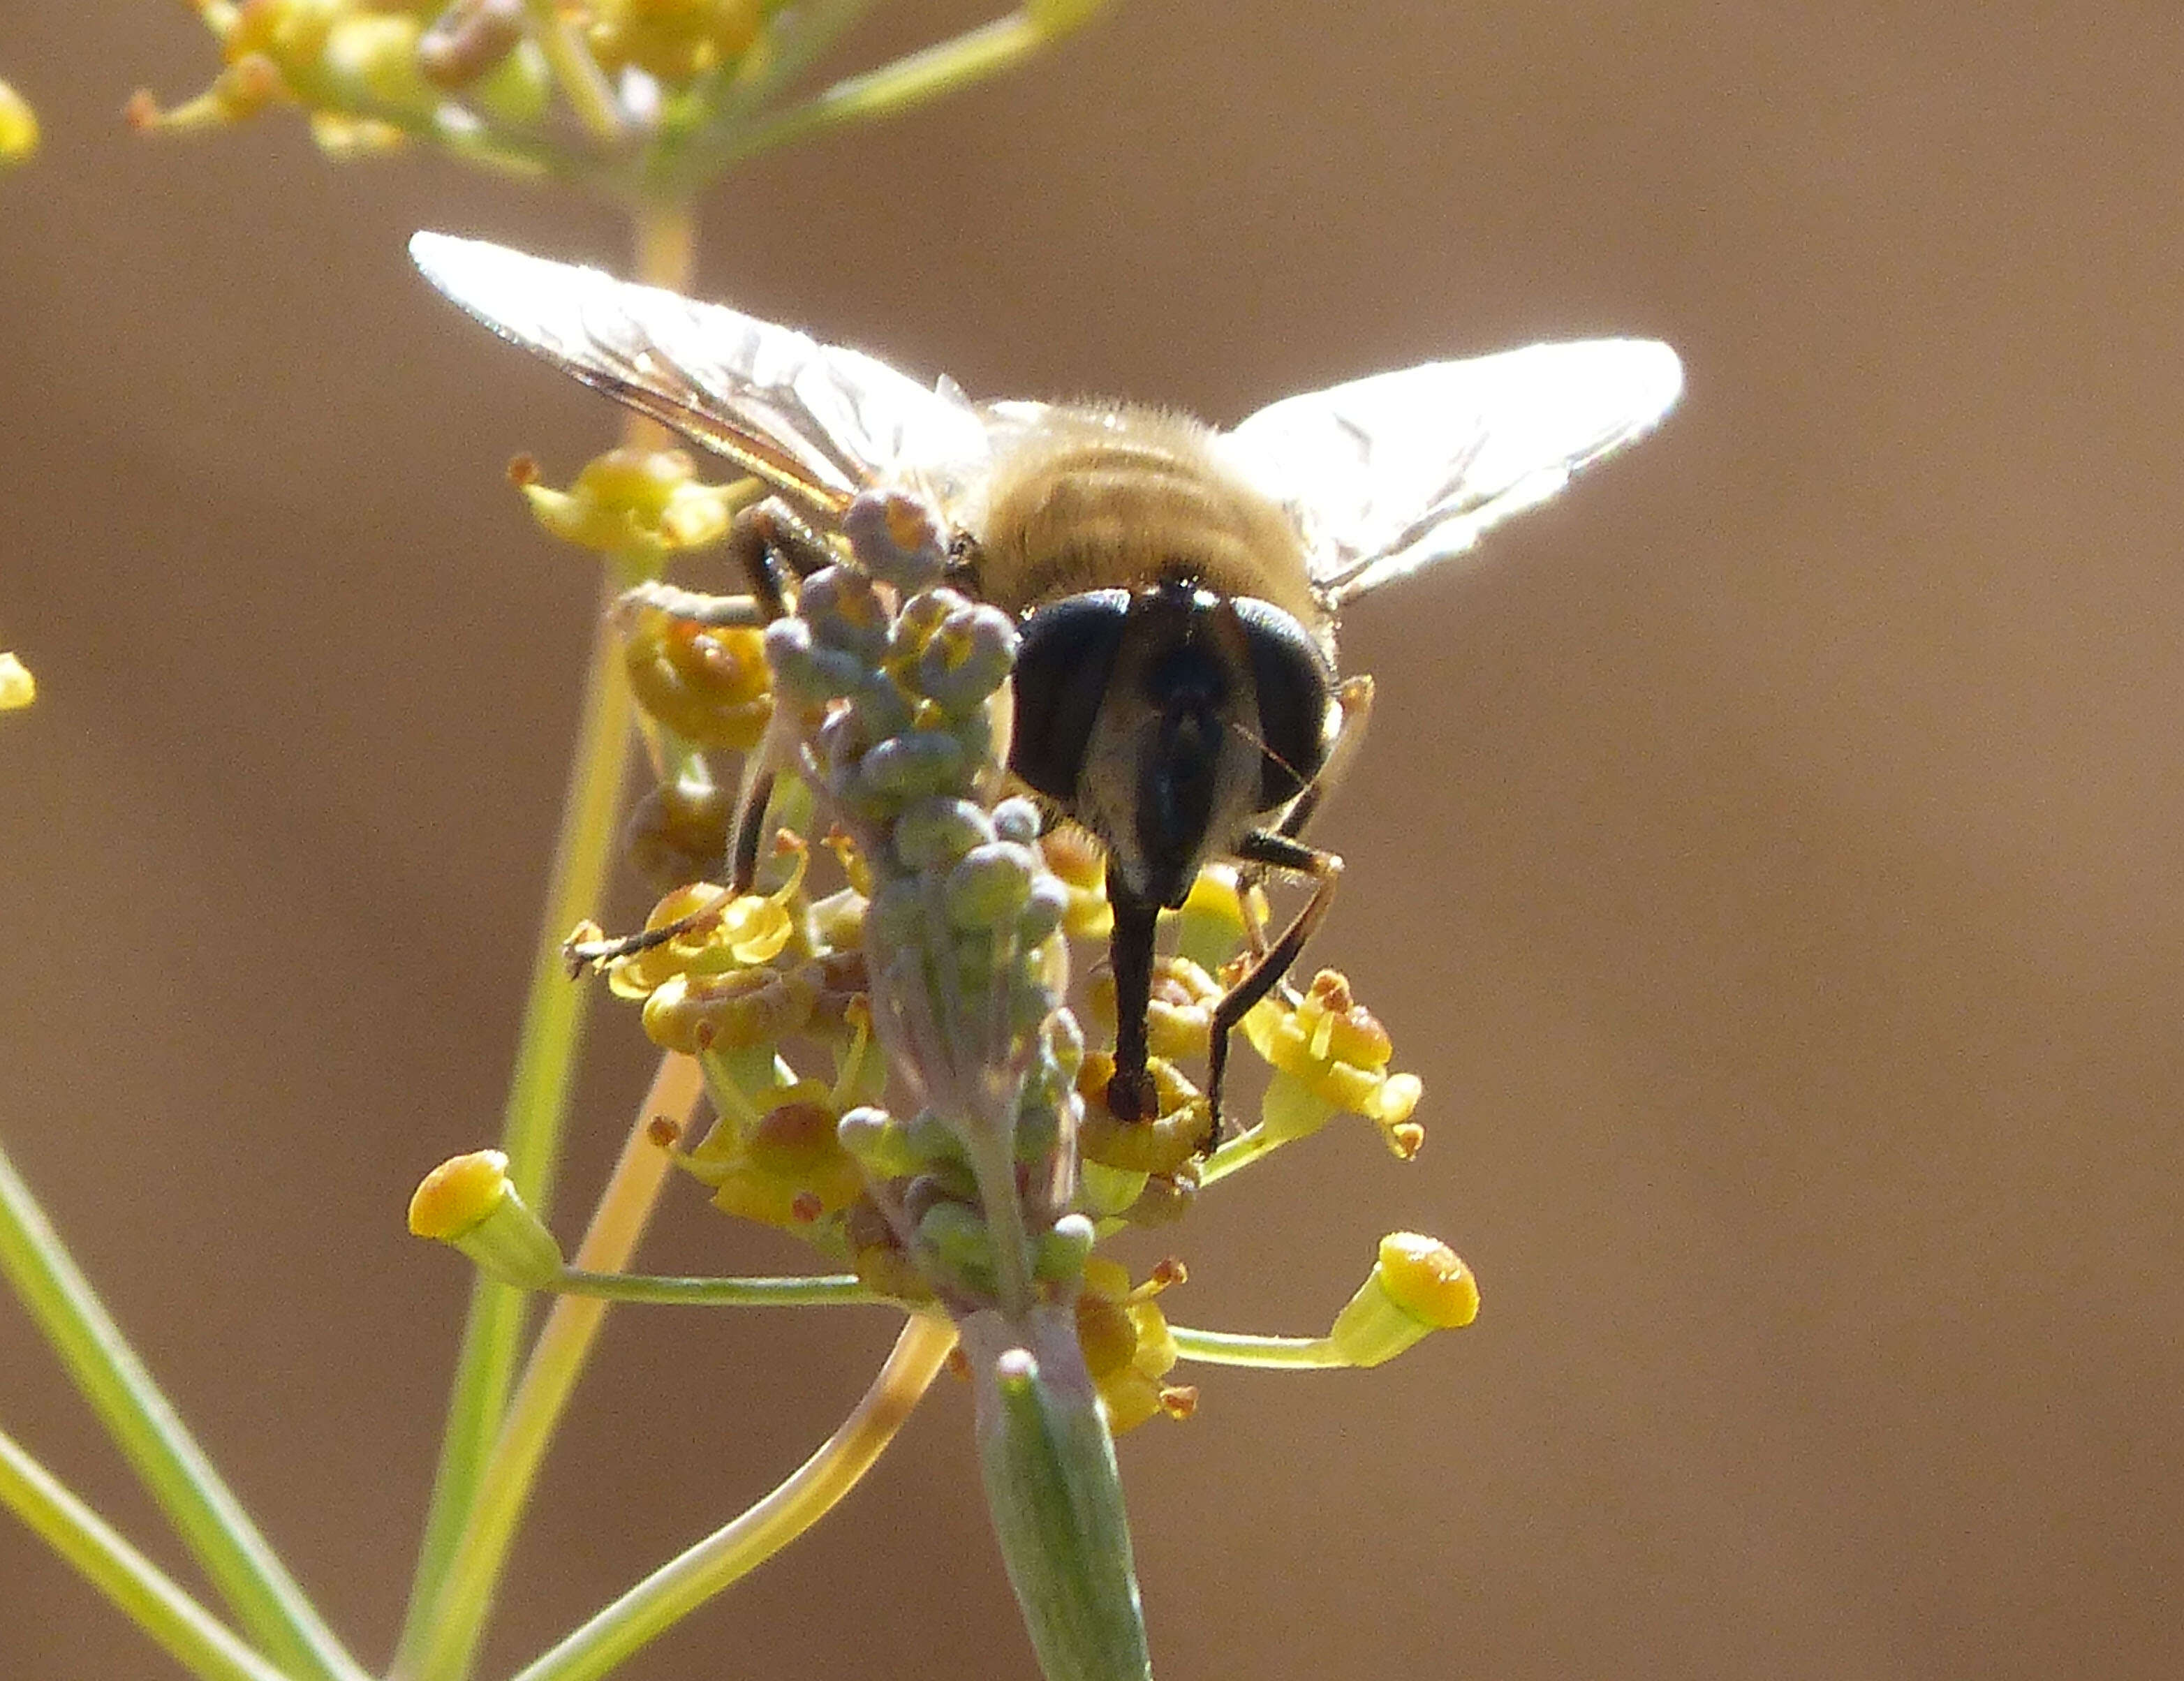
[
  {"x": 895, "y": 538},
  {"x": 989, "y": 886},
  {"x": 933, "y": 833},
  {"x": 1063, "y": 1248}
]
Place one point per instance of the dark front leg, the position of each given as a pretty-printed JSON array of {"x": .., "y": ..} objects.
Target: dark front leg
[{"x": 1130, "y": 951}]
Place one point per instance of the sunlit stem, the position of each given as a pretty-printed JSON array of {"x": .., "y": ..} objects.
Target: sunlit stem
[
  {"x": 582, "y": 83},
  {"x": 1240, "y": 1152},
  {"x": 827, "y": 1290},
  {"x": 537, "y": 1109},
  {"x": 1228, "y": 1348},
  {"x": 189, "y": 1633},
  {"x": 218, "y": 1533},
  {"x": 452, "y": 1633},
  {"x": 680, "y": 1586},
  {"x": 910, "y": 81}
]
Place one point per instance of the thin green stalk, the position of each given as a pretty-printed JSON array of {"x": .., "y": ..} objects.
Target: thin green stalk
[
  {"x": 536, "y": 1110},
  {"x": 581, "y": 82},
  {"x": 807, "y": 1493},
  {"x": 192, "y": 1636},
  {"x": 694, "y": 155},
  {"x": 1230, "y": 1348},
  {"x": 831, "y": 1290},
  {"x": 242, "y": 1566},
  {"x": 909, "y": 81},
  {"x": 449, "y": 1634}
]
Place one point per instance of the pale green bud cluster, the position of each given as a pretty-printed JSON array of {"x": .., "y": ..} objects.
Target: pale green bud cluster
[{"x": 905, "y": 711}]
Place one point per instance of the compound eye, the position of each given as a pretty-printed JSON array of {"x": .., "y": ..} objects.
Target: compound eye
[
  {"x": 1294, "y": 680},
  {"x": 1065, "y": 657}
]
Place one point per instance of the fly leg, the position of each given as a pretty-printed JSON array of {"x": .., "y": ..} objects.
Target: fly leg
[
  {"x": 768, "y": 544},
  {"x": 1354, "y": 702},
  {"x": 1268, "y": 850},
  {"x": 1130, "y": 1092}
]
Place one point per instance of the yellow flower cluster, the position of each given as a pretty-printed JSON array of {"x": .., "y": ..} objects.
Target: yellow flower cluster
[{"x": 674, "y": 40}]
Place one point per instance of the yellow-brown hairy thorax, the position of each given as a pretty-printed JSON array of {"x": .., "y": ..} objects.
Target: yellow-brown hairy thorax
[{"x": 1121, "y": 498}]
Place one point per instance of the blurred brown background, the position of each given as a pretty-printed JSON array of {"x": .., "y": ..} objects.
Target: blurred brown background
[{"x": 1771, "y": 862}]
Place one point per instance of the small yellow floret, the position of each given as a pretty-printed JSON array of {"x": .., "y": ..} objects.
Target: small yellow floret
[
  {"x": 1426, "y": 1277},
  {"x": 458, "y": 1193},
  {"x": 1417, "y": 1286},
  {"x": 709, "y": 685},
  {"x": 1336, "y": 1053},
  {"x": 1129, "y": 1349},
  {"x": 17, "y": 688},
  {"x": 640, "y": 503},
  {"x": 18, "y": 127}
]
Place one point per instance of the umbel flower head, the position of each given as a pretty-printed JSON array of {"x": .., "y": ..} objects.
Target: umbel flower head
[
  {"x": 885, "y": 1023},
  {"x": 889, "y": 1039},
  {"x": 637, "y": 98}
]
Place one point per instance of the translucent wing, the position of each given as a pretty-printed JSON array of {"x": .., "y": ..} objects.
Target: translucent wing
[
  {"x": 1393, "y": 473},
  {"x": 817, "y": 421}
]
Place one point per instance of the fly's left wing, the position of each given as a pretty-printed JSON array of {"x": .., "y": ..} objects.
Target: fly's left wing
[
  {"x": 817, "y": 421},
  {"x": 1390, "y": 474}
]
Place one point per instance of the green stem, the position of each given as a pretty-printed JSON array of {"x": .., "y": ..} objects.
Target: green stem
[
  {"x": 726, "y": 106},
  {"x": 1240, "y": 1152},
  {"x": 683, "y": 1584},
  {"x": 1228, "y": 1348},
  {"x": 536, "y": 1110},
  {"x": 242, "y": 1566},
  {"x": 910, "y": 81},
  {"x": 832, "y": 1290},
  {"x": 192, "y": 1636},
  {"x": 582, "y": 83},
  {"x": 447, "y": 1642}
]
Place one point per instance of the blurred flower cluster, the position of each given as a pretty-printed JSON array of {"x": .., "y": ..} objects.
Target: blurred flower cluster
[{"x": 632, "y": 98}]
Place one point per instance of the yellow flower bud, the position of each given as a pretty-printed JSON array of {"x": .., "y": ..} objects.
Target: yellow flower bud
[
  {"x": 469, "y": 1203},
  {"x": 18, "y": 127},
  {"x": 17, "y": 688},
  {"x": 1418, "y": 1286}
]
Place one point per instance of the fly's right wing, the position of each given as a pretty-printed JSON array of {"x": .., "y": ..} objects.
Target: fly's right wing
[
  {"x": 814, "y": 420},
  {"x": 1396, "y": 472}
]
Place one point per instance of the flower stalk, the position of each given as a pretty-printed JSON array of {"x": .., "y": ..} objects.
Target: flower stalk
[
  {"x": 227, "y": 1543},
  {"x": 190, "y": 1634},
  {"x": 806, "y": 1495}
]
